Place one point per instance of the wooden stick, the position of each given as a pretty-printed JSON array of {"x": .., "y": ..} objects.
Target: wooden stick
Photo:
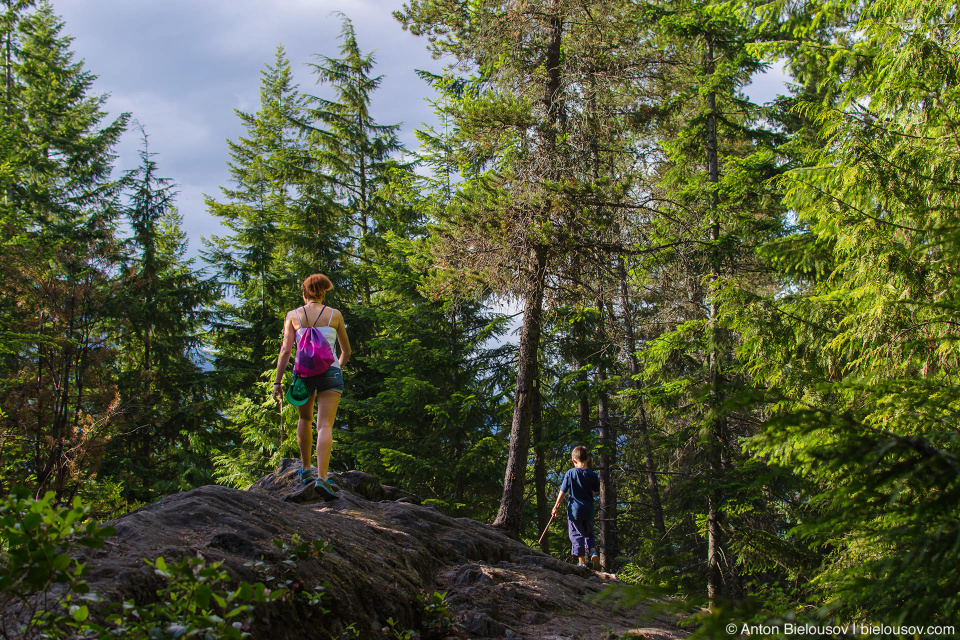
[{"x": 540, "y": 541}]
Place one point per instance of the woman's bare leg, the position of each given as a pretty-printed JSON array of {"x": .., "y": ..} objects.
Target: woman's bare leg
[
  {"x": 305, "y": 431},
  {"x": 327, "y": 402}
]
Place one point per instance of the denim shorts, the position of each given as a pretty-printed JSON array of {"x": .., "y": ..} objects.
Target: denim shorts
[{"x": 332, "y": 378}]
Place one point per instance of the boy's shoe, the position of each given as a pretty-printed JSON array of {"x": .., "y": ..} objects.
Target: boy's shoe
[
  {"x": 581, "y": 563},
  {"x": 306, "y": 475},
  {"x": 325, "y": 489},
  {"x": 595, "y": 561}
]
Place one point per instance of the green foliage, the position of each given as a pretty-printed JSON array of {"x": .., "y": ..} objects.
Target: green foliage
[
  {"x": 761, "y": 298},
  {"x": 168, "y": 422},
  {"x": 356, "y": 157},
  {"x": 195, "y": 602},
  {"x": 438, "y": 620},
  {"x": 270, "y": 198},
  {"x": 102, "y": 334},
  {"x": 58, "y": 255},
  {"x": 421, "y": 381},
  {"x": 855, "y": 351},
  {"x": 350, "y": 631},
  {"x": 293, "y": 551},
  {"x": 430, "y": 423},
  {"x": 37, "y": 538},
  {"x": 391, "y": 631},
  {"x": 535, "y": 176},
  {"x": 715, "y": 157},
  {"x": 36, "y": 541},
  {"x": 43, "y": 591},
  {"x": 266, "y": 436},
  {"x": 198, "y": 599}
]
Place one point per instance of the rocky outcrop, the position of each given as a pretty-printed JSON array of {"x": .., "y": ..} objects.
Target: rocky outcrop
[{"x": 384, "y": 551}]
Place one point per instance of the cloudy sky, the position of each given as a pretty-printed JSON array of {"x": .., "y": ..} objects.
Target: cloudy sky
[{"x": 181, "y": 67}]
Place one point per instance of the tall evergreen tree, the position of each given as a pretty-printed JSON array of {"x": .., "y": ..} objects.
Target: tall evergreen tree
[
  {"x": 357, "y": 162},
  {"x": 167, "y": 415},
  {"x": 354, "y": 155},
  {"x": 714, "y": 207},
  {"x": 522, "y": 211},
  {"x": 858, "y": 352},
  {"x": 432, "y": 424},
  {"x": 267, "y": 167},
  {"x": 421, "y": 408},
  {"x": 59, "y": 257}
]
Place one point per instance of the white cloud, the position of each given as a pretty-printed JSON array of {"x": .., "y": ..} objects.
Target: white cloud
[
  {"x": 182, "y": 66},
  {"x": 169, "y": 123},
  {"x": 767, "y": 86},
  {"x": 197, "y": 222}
]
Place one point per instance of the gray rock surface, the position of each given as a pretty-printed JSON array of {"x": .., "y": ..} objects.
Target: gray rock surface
[{"x": 385, "y": 551}]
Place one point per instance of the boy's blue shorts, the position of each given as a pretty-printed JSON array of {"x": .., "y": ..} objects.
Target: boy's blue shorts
[{"x": 581, "y": 536}]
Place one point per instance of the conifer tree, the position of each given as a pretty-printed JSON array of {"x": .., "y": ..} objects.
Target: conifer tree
[
  {"x": 714, "y": 207},
  {"x": 267, "y": 167},
  {"x": 357, "y": 165},
  {"x": 281, "y": 223},
  {"x": 59, "y": 256},
  {"x": 443, "y": 382},
  {"x": 432, "y": 423},
  {"x": 522, "y": 211},
  {"x": 857, "y": 353},
  {"x": 167, "y": 415},
  {"x": 354, "y": 156}
]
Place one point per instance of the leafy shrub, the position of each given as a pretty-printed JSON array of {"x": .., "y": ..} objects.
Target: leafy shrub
[
  {"x": 36, "y": 538},
  {"x": 196, "y": 602},
  {"x": 438, "y": 621}
]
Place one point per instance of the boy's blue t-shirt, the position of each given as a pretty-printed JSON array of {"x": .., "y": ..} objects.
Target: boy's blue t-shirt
[{"x": 579, "y": 485}]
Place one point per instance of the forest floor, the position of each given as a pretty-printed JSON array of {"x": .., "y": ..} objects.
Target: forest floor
[{"x": 385, "y": 551}]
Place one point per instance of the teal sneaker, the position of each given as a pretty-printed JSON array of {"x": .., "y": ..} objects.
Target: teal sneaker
[
  {"x": 325, "y": 489},
  {"x": 306, "y": 475},
  {"x": 595, "y": 561}
]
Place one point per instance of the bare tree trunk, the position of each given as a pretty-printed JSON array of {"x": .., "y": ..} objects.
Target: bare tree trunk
[
  {"x": 508, "y": 516},
  {"x": 608, "y": 487},
  {"x": 652, "y": 483},
  {"x": 540, "y": 470},
  {"x": 581, "y": 335},
  {"x": 583, "y": 405}
]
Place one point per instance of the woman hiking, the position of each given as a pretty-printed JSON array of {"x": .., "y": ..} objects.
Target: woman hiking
[{"x": 324, "y": 388}]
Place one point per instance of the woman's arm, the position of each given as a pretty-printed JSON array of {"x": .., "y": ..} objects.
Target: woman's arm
[
  {"x": 286, "y": 348},
  {"x": 342, "y": 338}
]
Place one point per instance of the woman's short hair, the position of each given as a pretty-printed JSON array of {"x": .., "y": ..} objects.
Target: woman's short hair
[{"x": 316, "y": 286}]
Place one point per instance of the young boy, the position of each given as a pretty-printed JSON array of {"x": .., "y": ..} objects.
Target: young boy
[{"x": 580, "y": 484}]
